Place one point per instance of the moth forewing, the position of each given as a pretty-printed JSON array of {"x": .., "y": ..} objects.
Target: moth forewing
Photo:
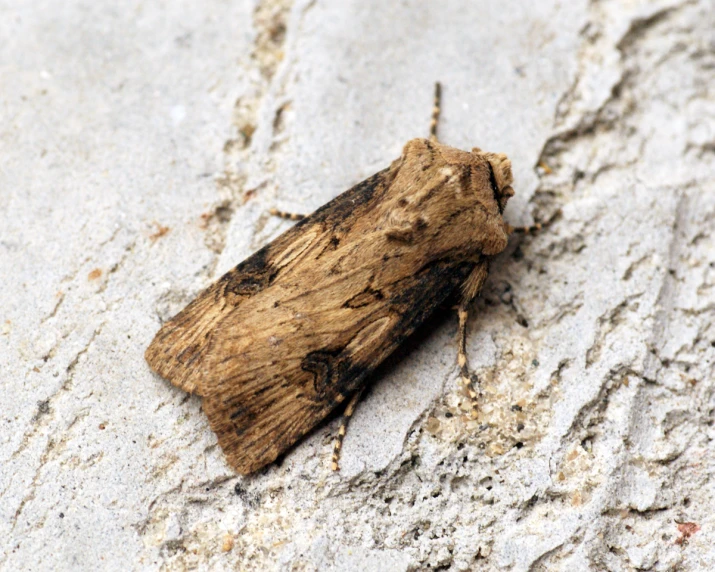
[{"x": 294, "y": 330}]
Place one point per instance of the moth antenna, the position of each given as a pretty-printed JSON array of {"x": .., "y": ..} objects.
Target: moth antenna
[
  {"x": 285, "y": 215},
  {"x": 435, "y": 112},
  {"x": 349, "y": 410}
]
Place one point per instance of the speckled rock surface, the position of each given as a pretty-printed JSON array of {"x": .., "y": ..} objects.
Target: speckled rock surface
[{"x": 140, "y": 148}]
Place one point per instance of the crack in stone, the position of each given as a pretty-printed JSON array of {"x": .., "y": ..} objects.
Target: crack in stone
[
  {"x": 43, "y": 417},
  {"x": 607, "y": 322},
  {"x": 270, "y": 20},
  {"x": 32, "y": 489},
  {"x": 586, "y": 127}
]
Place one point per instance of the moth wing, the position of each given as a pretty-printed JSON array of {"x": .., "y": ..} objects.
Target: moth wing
[
  {"x": 261, "y": 399},
  {"x": 179, "y": 349}
]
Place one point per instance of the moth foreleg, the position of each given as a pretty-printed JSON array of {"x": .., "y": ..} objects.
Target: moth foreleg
[
  {"x": 466, "y": 379},
  {"x": 285, "y": 215},
  {"x": 534, "y": 228},
  {"x": 349, "y": 410},
  {"x": 470, "y": 289}
]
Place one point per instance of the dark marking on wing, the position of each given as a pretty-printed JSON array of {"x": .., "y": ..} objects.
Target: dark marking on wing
[
  {"x": 364, "y": 298},
  {"x": 251, "y": 276},
  {"x": 242, "y": 419},
  {"x": 417, "y": 296},
  {"x": 332, "y": 245},
  {"x": 320, "y": 364}
]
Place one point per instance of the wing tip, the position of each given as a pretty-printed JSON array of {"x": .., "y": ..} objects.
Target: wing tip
[
  {"x": 164, "y": 362},
  {"x": 237, "y": 450}
]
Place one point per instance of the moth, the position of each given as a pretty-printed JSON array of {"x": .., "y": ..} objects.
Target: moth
[{"x": 294, "y": 330}]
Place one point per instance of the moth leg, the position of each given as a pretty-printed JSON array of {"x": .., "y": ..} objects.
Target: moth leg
[
  {"x": 283, "y": 214},
  {"x": 465, "y": 377},
  {"x": 435, "y": 112},
  {"x": 470, "y": 290},
  {"x": 533, "y": 229},
  {"x": 536, "y": 227},
  {"x": 349, "y": 410}
]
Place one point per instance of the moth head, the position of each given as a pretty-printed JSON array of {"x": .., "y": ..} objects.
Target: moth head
[
  {"x": 500, "y": 177},
  {"x": 435, "y": 184}
]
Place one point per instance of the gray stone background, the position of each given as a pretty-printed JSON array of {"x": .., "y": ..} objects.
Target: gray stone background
[{"x": 141, "y": 144}]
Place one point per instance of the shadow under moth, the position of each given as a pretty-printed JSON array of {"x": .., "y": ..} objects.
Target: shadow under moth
[{"x": 294, "y": 330}]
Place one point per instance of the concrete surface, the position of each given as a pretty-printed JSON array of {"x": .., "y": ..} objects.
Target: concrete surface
[{"x": 141, "y": 145}]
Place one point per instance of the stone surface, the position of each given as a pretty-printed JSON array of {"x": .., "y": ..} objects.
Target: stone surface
[{"x": 140, "y": 148}]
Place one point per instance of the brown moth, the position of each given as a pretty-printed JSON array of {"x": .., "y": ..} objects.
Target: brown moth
[{"x": 295, "y": 329}]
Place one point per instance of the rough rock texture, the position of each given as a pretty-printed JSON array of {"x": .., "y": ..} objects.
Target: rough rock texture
[{"x": 140, "y": 148}]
